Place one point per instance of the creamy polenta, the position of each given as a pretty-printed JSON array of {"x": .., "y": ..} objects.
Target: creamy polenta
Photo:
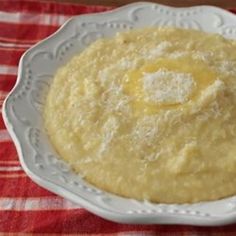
[{"x": 149, "y": 114}]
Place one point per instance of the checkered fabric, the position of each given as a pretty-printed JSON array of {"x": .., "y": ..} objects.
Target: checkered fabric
[{"x": 26, "y": 208}]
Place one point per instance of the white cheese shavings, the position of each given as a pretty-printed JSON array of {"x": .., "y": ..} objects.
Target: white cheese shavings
[
  {"x": 153, "y": 156},
  {"x": 227, "y": 67},
  {"x": 126, "y": 64},
  {"x": 202, "y": 56},
  {"x": 109, "y": 129},
  {"x": 146, "y": 129},
  {"x": 168, "y": 87},
  {"x": 177, "y": 54},
  {"x": 104, "y": 75},
  {"x": 107, "y": 74},
  {"x": 158, "y": 51},
  {"x": 211, "y": 92},
  {"x": 208, "y": 103}
]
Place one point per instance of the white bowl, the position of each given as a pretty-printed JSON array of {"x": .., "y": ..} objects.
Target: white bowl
[{"x": 23, "y": 117}]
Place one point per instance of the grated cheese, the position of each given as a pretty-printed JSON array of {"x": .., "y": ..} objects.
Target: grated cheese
[
  {"x": 153, "y": 156},
  {"x": 177, "y": 54},
  {"x": 126, "y": 64},
  {"x": 159, "y": 50},
  {"x": 168, "y": 87},
  {"x": 203, "y": 56},
  {"x": 109, "y": 129},
  {"x": 107, "y": 73},
  {"x": 227, "y": 67}
]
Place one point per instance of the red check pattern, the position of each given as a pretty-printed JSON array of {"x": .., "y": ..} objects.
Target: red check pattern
[{"x": 26, "y": 208}]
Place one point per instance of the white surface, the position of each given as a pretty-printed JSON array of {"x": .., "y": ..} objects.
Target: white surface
[{"x": 22, "y": 112}]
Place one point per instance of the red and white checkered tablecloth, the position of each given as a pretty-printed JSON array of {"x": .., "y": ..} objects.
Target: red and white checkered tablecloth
[{"x": 26, "y": 208}]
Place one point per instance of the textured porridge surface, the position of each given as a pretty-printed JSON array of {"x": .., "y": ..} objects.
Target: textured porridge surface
[{"x": 149, "y": 114}]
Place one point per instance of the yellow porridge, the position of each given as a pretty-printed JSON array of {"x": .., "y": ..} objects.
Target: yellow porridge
[{"x": 149, "y": 114}]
